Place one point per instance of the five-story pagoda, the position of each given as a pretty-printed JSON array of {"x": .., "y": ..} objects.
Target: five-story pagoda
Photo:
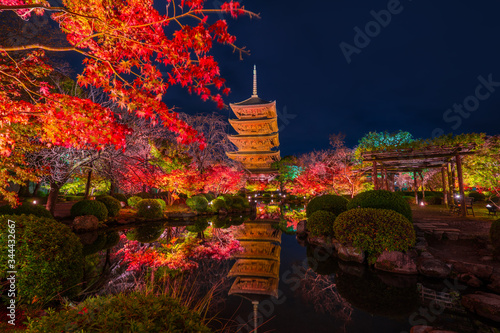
[{"x": 257, "y": 138}]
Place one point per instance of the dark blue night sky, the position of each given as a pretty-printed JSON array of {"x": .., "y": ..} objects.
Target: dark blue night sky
[{"x": 426, "y": 59}]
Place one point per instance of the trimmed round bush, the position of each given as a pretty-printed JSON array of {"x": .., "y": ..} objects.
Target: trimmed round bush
[
  {"x": 495, "y": 235},
  {"x": 134, "y": 312},
  {"x": 90, "y": 207},
  {"x": 209, "y": 196},
  {"x": 163, "y": 204},
  {"x": 477, "y": 196},
  {"x": 26, "y": 208},
  {"x": 197, "y": 203},
  {"x": 149, "y": 208},
  {"x": 409, "y": 199},
  {"x": 374, "y": 230},
  {"x": 238, "y": 202},
  {"x": 381, "y": 199},
  {"x": 218, "y": 204},
  {"x": 132, "y": 201},
  {"x": 320, "y": 223},
  {"x": 120, "y": 197},
  {"x": 112, "y": 205},
  {"x": 112, "y": 239},
  {"x": 49, "y": 260},
  {"x": 335, "y": 204},
  {"x": 96, "y": 246},
  {"x": 146, "y": 234}
]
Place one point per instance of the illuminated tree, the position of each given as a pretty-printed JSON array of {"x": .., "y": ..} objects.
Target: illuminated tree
[{"x": 131, "y": 51}]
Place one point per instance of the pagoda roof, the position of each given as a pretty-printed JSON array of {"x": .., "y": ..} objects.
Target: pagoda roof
[
  {"x": 254, "y": 100},
  {"x": 254, "y": 136},
  {"x": 243, "y": 153}
]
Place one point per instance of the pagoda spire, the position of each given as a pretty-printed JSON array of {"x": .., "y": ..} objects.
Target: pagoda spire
[{"x": 254, "y": 81}]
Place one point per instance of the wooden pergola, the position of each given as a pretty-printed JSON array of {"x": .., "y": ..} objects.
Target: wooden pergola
[{"x": 448, "y": 158}]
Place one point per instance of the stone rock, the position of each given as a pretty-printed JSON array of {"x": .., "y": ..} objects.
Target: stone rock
[
  {"x": 471, "y": 280},
  {"x": 301, "y": 227},
  {"x": 434, "y": 268},
  {"x": 125, "y": 221},
  {"x": 426, "y": 255},
  {"x": 495, "y": 284},
  {"x": 442, "y": 331},
  {"x": 86, "y": 222},
  {"x": 483, "y": 272},
  {"x": 421, "y": 329},
  {"x": 483, "y": 304},
  {"x": 398, "y": 280},
  {"x": 349, "y": 253},
  {"x": 396, "y": 262},
  {"x": 123, "y": 204}
]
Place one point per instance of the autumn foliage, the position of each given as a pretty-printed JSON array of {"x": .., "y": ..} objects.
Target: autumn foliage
[{"x": 131, "y": 51}]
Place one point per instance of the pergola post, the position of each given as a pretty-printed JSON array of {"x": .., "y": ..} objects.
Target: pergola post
[
  {"x": 445, "y": 191},
  {"x": 386, "y": 184},
  {"x": 374, "y": 175},
  {"x": 450, "y": 183},
  {"x": 423, "y": 189},
  {"x": 415, "y": 187},
  {"x": 461, "y": 185}
]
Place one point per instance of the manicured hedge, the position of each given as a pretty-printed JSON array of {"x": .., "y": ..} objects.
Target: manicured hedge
[
  {"x": 163, "y": 204},
  {"x": 26, "y": 208},
  {"x": 132, "y": 201},
  {"x": 477, "y": 196},
  {"x": 320, "y": 223},
  {"x": 48, "y": 255},
  {"x": 149, "y": 208},
  {"x": 120, "y": 197},
  {"x": 374, "y": 230},
  {"x": 197, "y": 203},
  {"x": 134, "y": 312},
  {"x": 381, "y": 199},
  {"x": 90, "y": 207},
  {"x": 218, "y": 204},
  {"x": 113, "y": 205},
  {"x": 335, "y": 204}
]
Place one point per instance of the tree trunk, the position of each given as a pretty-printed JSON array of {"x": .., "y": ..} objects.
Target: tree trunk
[
  {"x": 87, "y": 186},
  {"x": 52, "y": 199},
  {"x": 37, "y": 188},
  {"x": 112, "y": 188}
]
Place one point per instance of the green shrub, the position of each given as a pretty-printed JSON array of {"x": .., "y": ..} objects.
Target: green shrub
[
  {"x": 144, "y": 195},
  {"x": 495, "y": 235},
  {"x": 409, "y": 199},
  {"x": 134, "y": 312},
  {"x": 48, "y": 256},
  {"x": 112, "y": 205},
  {"x": 335, "y": 204},
  {"x": 27, "y": 209},
  {"x": 228, "y": 199},
  {"x": 149, "y": 208},
  {"x": 381, "y": 199},
  {"x": 209, "y": 196},
  {"x": 238, "y": 202},
  {"x": 433, "y": 200},
  {"x": 90, "y": 207},
  {"x": 477, "y": 196},
  {"x": 320, "y": 223},
  {"x": 218, "y": 204},
  {"x": 146, "y": 234},
  {"x": 197, "y": 203},
  {"x": 120, "y": 197},
  {"x": 132, "y": 201},
  {"x": 374, "y": 230},
  {"x": 163, "y": 204}
]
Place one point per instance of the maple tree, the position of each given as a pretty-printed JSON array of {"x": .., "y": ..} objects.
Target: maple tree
[{"x": 126, "y": 45}]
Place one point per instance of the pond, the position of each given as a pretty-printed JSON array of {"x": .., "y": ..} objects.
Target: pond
[{"x": 281, "y": 284}]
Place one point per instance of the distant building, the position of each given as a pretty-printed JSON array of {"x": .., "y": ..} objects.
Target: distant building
[{"x": 257, "y": 139}]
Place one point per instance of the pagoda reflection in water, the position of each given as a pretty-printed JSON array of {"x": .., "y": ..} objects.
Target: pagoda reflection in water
[{"x": 257, "y": 268}]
